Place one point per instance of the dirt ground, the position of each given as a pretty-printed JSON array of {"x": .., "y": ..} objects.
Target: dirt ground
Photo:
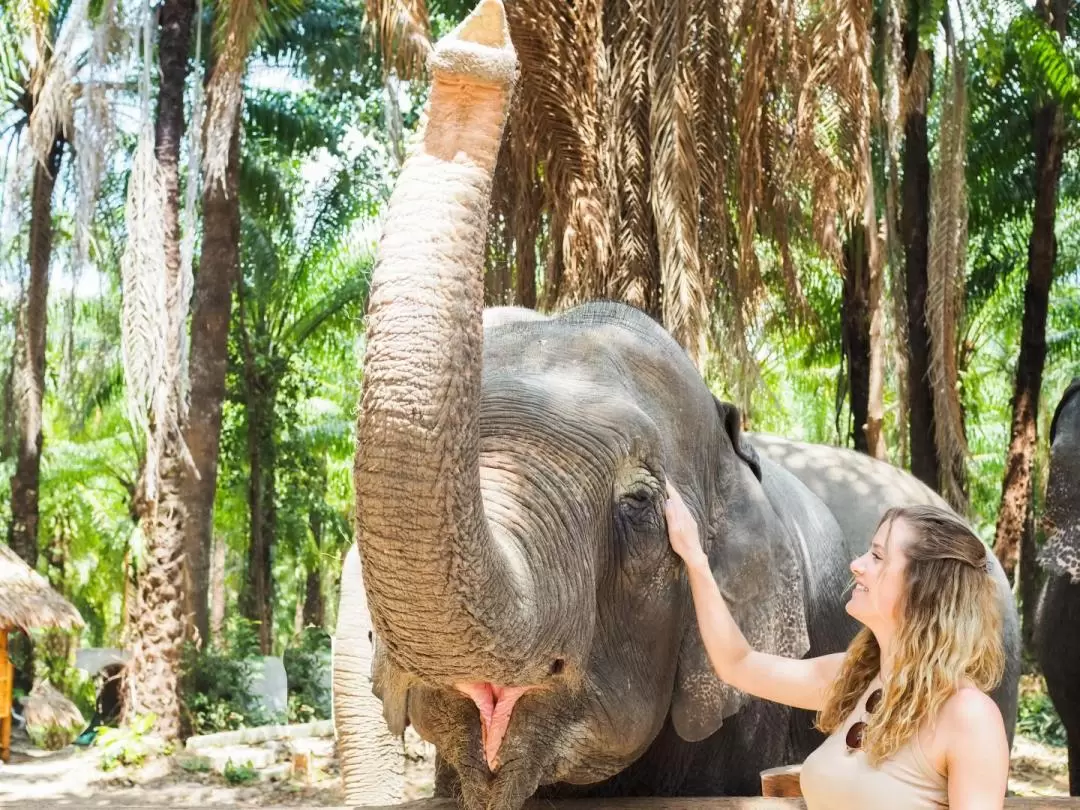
[{"x": 74, "y": 775}]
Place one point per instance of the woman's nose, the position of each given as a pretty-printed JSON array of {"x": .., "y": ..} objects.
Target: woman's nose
[{"x": 856, "y": 566}]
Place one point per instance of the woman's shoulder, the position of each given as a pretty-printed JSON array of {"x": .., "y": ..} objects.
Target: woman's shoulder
[
  {"x": 969, "y": 709},
  {"x": 968, "y": 715}
]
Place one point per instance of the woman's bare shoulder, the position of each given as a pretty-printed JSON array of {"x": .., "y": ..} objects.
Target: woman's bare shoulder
[{"x": 970, "y": 710}]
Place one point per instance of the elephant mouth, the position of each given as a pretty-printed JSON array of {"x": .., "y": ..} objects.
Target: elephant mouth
[{"x": 496, "y": 705}]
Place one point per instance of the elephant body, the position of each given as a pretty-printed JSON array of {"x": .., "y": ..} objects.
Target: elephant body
[
  {"x": 824, "y": 504},
  {"x": 530, "y": 617},
  {"x": 1057, "y": 624}
]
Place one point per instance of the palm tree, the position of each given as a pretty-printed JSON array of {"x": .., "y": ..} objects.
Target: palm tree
[
  {"x": 1050, "y": 143},
  {"x": 318, "y": 41},
  {"x": 35, "y": 99},
  {"x": 156, "y": 290},
  {"x": 293, "y": 284}
]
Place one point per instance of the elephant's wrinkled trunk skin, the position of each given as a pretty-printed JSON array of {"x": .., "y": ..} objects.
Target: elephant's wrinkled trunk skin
[{"x": 436, "y": 581}]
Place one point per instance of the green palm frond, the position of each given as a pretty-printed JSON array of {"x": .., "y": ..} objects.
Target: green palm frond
[
  {"x": 264, "y": 193},
  {"x": 1044, "y": 56},
  {"x": 287, "y": 123},
  {"x": 353, "y": 291}
]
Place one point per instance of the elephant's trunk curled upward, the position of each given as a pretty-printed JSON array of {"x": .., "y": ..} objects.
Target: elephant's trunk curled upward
[{"x": 431, "y": 568}]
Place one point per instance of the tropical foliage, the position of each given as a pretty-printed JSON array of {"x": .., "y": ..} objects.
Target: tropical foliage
[{"x": 190, "y": 202}]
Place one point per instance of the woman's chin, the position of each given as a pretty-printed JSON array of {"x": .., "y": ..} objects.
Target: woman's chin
[{"x": 852, "y": 608}]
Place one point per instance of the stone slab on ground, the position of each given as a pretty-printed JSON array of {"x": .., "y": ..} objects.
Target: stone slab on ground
[{"x": 261, "y": 734}]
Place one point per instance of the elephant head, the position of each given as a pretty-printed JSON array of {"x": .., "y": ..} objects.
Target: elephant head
[
  {"x": 532, "y": 620},
  {"x": 1061, "y": 555}
]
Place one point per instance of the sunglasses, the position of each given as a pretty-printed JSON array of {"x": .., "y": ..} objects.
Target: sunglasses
[{"x": 854, "y": 736}]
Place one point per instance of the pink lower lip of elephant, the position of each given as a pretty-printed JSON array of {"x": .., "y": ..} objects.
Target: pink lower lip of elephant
[{"x": 496, "y": 703}]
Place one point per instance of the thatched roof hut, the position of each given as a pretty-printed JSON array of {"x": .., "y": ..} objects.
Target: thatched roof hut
[{"x": 27, "y": 601}]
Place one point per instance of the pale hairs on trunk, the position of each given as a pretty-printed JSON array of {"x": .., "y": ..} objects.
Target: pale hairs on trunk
[
  {"x": 945, "y": 297},
  {"x": 144, "y": 317},
  {"x": 192, "y": 192},
  {"x": 52, "y": 85},
  {"x": 225, "y": 92}
]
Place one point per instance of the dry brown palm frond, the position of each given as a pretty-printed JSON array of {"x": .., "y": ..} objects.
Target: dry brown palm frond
[
  {"x": 144, "y": 313},
  {"x": 403, "y": 33},
  {"x": 94, "y": 133},
  {"x": 946, "y": 272},
  {"x": 714, "y": 127},
  {"x": 675, "y": 179},
  {"x": 52, "y": 84},
  {"x": 558, "y": 48},
  {"x": 635, "y": 271},
  {"x": 234, "y": 35},
  {"x": 144, "y": 316}
]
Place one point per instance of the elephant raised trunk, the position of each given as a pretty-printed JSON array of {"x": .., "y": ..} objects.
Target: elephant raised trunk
[{"x": 431, "y": 569}]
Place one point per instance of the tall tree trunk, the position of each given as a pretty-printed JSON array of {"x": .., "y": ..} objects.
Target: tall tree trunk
[
  {"x": 217, "y": 590},
  {"x": 1042, "y": 253},
  {"x": 915, "y": 234},
  {"x": 1030, "y": 582},
  {"x": 256, "y": 598},
  {"x": 313, "y": 595},
  {"x": 855, "y": 320},
  {"x": 29, "y": 365},
  {"x": 219, "y": 264},
  {"x": 158, "y": 620}
]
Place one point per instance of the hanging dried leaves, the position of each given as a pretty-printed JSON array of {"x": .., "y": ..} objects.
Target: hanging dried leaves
[
  {"x": 946, "y": 273},
  {"x": 653, "y": 145}
]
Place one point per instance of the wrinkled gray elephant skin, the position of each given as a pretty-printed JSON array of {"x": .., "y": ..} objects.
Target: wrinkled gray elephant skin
[
  {"x": 372, "y": 764},
  {"x": 583, "y": 418},
  {"x": 1057, "y": 624}
]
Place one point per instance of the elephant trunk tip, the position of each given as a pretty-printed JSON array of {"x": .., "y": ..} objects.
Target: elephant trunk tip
[{"x": 479, "y": 48}]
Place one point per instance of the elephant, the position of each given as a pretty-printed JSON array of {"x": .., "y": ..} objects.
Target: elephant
[
  {"x": 1057, "y": 620},
  {"x": 372, "y": 761},
  {"x": 530, "y": 617}
]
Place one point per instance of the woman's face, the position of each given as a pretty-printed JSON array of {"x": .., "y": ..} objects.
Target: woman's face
[{"x": 879, "y": 577}]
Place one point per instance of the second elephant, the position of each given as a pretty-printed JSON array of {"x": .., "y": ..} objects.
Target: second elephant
[{"x": 1057, "y": 624}]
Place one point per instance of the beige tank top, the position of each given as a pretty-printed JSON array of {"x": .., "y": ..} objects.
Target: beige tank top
[{"x": 834, "y": 779}]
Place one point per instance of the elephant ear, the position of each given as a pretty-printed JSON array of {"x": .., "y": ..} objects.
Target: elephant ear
[
  {"x": 1061, "y": 518},
  {"x": 755, "y": 561}
]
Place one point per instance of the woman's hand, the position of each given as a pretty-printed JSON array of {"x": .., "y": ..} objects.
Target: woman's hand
[{"x": 683, "y": 531}]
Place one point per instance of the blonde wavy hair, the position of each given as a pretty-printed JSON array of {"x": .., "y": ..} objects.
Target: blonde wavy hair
[{"x": 949, "y": 631}]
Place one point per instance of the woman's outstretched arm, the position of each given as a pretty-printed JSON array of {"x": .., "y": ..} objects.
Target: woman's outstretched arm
[{"x": 802, "y": 683}]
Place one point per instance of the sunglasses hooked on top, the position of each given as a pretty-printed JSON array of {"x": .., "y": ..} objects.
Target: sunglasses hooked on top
[{"x": 854, "y": 738}]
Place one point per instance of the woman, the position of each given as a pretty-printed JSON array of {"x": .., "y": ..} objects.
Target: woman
[{"x": 909, "y": 722}]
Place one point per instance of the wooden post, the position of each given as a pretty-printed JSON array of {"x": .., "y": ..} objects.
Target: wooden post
[
  {"x": 782, "y": 782},
  {"x": 7, "y": 683}
]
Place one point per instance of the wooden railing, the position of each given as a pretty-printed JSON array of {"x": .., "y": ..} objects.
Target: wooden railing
[{"x": 732, "y": 803}]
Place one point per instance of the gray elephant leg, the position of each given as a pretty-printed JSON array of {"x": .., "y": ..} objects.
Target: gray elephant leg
[{"x": 372, "y": 760}]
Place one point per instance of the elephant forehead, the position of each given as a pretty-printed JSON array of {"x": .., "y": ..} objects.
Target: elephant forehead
[{"x": 565, "y": 403}]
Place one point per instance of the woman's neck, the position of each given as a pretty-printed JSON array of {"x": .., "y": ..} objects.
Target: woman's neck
[{"x": 886, "y": 646}]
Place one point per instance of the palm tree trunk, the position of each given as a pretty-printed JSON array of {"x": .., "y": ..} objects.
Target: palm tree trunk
[
  {"x": 256, "y": 599},
  {"x": 217, "y": 590},
  {"x": 314, "y": 611},
  {"x": 915, "y": 234},
  {"x": 855, "y": 320},
  {"x": 159, "y": 625},
  {"x": 1042, "y": 253},
  {"x": 219, "y": 264},
  {"x": 29, "y": 365}
]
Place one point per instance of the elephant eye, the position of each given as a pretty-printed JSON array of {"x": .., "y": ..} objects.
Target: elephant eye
[{"x": 638, "y": 499}]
